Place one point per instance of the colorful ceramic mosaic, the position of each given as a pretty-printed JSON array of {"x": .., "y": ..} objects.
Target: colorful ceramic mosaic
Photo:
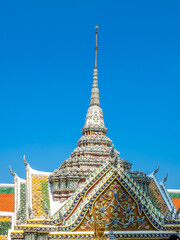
[
  {"x": 40, "y": 195},
  {"x": 157, "y": 199},
  {"x": 119, "y": 211},
  {"x": 21, "y": 215},
  {"x": 5, "y": 225}
]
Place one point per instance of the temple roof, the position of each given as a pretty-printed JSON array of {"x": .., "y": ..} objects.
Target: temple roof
[
  {"x": 108, "y": 183},
  {"x": 6, "y": 197},
  {"x": 159, "y": 194},
  {"x": 175, "y": 196}
]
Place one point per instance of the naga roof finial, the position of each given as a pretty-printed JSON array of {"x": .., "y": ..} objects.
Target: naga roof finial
[
  {"x": 112, "y": 154},
  {"x": 95, "y": 89},
  {"x": 156, "y": 170},
  {"x": 25, "y": 162},
  {"x": 164, "y": 180},
  {"x": 11, "y": 171}
]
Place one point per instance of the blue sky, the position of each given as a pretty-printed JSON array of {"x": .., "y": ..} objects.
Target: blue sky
[{"x": 46, "y": 66}]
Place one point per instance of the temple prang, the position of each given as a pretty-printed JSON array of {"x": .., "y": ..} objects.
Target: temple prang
[{"x": 94, "y": 194}]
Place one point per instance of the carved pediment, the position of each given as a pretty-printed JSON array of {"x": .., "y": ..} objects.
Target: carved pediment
[{"x": 118, "y": 210}]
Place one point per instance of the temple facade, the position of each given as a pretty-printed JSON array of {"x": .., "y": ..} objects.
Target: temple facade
[{"x": 94, "y": 194}]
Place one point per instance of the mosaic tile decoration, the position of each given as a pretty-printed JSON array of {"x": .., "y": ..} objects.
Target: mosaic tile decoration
[
  {"x": 118, "y": 236},
  {"x": 118, "y": 210},
  {"x": 143, "y": 203},
  {"x": 5, "y": 224},
  {"x": 22, "y": 202},
  {"x": 156, "y": 198},
  {"x": 40, "y": 195}
]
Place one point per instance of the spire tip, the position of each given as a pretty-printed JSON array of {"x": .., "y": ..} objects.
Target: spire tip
[
  {"x": 95, "y": 90},
  {"x": 95, "y": 65}
]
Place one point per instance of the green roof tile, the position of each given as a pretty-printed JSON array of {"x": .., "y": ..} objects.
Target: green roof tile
[
  {"x": 6, "y": 190},
  {"x": 174, "y": 195}
]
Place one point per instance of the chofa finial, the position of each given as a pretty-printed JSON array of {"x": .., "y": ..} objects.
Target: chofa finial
[
  {"x": 112, "y": 154},
  {"x": 164, "y": 180},
  {"x": 11, "y": 171},
  {"x": 25, "y": 162},
  {"x": 156, "y": 170}
]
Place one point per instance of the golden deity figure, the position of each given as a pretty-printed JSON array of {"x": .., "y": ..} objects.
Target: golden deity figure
[
  {"x": 99, "y": 227},
  {"x": 99, "y": 231}
]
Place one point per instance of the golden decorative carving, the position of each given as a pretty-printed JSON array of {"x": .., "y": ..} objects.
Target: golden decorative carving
[{"x": 99, "y": 225}]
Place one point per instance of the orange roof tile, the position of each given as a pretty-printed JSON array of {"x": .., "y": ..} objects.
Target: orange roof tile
[
  {"x": 176, "y": 202},
  {"x": 7, "y": 202}
]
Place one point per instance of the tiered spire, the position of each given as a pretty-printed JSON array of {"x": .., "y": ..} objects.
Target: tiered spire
[
  {"x": 94, "y": 118},
  {"x": 93, "y": 148},
  {"x": 95, "y": 90}
]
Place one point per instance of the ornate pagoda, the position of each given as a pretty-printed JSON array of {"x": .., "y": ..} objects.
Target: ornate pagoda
[
  {"x": 94, "y": 194},
  {"x": 93, "y": 149}
]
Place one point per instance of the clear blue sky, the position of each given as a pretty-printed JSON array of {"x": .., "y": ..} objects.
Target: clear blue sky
[{"x": 46, "y": 67}]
